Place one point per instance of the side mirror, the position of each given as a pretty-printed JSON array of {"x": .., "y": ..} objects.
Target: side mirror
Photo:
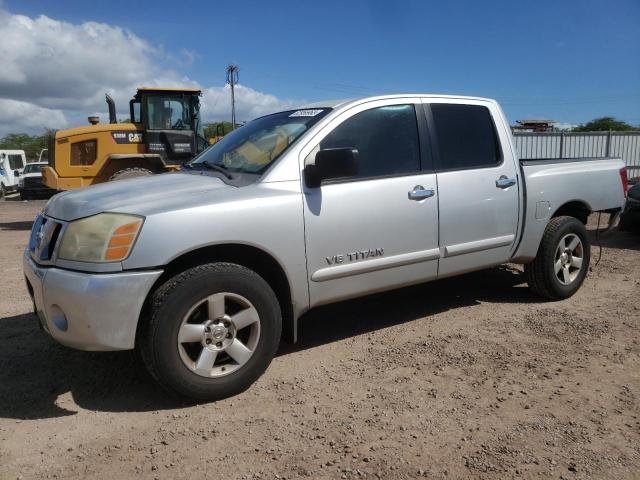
[{"x": 331, "y": 163}]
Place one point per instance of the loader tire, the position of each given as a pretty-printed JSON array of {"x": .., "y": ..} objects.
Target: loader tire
[{"x": 130, "y": 173}]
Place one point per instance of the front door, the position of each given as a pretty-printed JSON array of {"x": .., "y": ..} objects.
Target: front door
[
  {"x": 378, "y": 229},
  {"x": 478, "y": 186}
]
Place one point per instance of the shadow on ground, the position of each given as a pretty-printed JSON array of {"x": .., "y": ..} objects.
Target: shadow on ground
[
  {"x": 36, "y": 370},
  {"x": 16, "y": 225},
  {"x": 617, "y": 239}
]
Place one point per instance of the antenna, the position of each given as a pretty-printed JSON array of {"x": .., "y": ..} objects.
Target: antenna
[{"x": 232, "y": 79}]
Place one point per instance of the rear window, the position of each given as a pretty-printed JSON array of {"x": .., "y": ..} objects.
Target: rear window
[
  {"x": 466, "y": 137},
  {"x": 15, "y": 162}
]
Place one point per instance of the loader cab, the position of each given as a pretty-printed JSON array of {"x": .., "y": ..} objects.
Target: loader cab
[{"x": 171, "y": 122}]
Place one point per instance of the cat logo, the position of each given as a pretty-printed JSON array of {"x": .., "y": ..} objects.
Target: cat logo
[{"x": 135, "y": 138}]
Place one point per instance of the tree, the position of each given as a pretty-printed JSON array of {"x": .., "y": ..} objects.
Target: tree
[
  {"x": 604, "y": 124},
  {"x": 31, "y": 144}
]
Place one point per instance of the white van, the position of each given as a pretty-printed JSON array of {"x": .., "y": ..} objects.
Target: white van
[{"x": 11, "y": 166}]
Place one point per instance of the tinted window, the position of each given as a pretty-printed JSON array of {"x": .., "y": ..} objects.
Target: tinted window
[
  {"x": 386, "y": 138},
  {"x": 466, "y": 136}
]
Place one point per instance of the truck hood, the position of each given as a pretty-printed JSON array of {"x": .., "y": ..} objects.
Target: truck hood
[{"x": 140, "y": 196}]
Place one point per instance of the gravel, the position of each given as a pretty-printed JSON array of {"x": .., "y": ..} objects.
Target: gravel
[{"x": 469, "y": 377}]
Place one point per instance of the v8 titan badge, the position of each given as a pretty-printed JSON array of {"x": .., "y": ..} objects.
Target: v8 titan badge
[{"x": 127, "y": 137}]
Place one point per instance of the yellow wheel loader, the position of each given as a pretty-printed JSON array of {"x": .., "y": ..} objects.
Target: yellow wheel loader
[{"x": 164, "y": 131}]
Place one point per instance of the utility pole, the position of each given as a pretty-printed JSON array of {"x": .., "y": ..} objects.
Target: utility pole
[{"x": 232, "y": 79}]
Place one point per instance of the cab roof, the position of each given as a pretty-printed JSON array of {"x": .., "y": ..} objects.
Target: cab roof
[
  {"x": 169, "y": 89},
  {"x": 345, "y": 101}
]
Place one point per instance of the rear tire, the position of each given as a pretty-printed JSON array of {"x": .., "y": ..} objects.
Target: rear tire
[
  {"x": 130, "y": 173},
  {"x": 3, "y": 191},
  {"x": 213, "y": 330},
  {"x": 562, "y": 261}
]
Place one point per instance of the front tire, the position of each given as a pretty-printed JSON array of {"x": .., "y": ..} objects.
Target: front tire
[
  {"x": 212, "y": 332},
  {"x": 562, "y": 261}
]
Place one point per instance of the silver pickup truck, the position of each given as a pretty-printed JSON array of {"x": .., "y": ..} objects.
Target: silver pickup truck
[{"x": 205, "y": 270}]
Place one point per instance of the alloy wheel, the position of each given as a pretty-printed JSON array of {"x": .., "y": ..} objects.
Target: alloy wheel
[
  {"x": 568, "y": 259},
  {"x": 219, "y": 334}
]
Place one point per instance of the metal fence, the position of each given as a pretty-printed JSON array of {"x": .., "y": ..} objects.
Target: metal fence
[{"x": 532, "y": 145}]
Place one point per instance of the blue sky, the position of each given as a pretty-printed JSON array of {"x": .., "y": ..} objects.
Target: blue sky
[{"x": 567, "y": 60}]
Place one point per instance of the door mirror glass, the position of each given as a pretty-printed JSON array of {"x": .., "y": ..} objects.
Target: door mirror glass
[{"x": 331, "y": 163}]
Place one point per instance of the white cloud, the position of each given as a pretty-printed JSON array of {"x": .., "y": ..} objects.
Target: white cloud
[
  {"x": 56, "y": 73},
  {"x": 17, "y": 116},
  {"x": 216, "y": 103}
]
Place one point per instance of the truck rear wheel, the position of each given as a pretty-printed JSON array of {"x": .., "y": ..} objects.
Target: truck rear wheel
[
  {"x": 130, "y": 173},
  {"x": 213, "y": 330},
  {"x": 562, "y": 261}
]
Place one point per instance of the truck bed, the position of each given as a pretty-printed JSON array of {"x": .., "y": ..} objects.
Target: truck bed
[{"x": 591, "y": 184}]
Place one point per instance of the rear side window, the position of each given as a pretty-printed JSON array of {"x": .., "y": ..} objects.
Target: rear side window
[
  {"x": 466, "y": 137},
  {"x": 386, "y": 138}
]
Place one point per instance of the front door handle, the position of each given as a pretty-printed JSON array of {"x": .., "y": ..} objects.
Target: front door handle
[
  {"x": 420, "y": 193},
  {"x": 505, "y": 182}
]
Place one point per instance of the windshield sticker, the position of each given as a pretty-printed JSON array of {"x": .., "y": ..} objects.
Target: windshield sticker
[{"x": 306, "y": 113}]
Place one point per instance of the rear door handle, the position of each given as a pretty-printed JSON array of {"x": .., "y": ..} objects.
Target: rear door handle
[
  {"x": 505, "y": 182},
  {"x": 420, "y": 193}
]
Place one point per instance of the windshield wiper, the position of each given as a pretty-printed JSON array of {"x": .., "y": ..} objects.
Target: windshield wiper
[{"x": 218, "y": 168}]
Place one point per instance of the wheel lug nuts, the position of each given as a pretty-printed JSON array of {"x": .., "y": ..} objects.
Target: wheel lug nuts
[
  {"x": 219, "y": 344},
  {"x": 208, "y": 341},
  {"x": 228, "y": 335}
]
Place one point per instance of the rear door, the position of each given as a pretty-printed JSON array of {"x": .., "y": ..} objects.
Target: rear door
[
  {"x": 378, "y": 229},
  {"x": 477, "y": 184}
]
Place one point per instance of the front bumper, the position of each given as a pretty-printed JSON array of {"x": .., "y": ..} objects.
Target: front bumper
[{"x": 88, "y": 311}]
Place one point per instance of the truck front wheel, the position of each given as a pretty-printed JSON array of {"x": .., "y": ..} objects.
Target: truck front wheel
[
  {"x": 562, "y": 261},
  {"x": 213, "y": 330}
]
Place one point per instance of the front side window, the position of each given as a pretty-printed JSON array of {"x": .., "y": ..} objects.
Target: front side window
[
  {"x": 15, "y": 162},
  {"x": 169, "y": 113},
  {"x": 385, "y": 137},
  {"x": 256, "y": 145},
  {"x": 466, "y": 136},
  {"x": 135, "y": 112}
]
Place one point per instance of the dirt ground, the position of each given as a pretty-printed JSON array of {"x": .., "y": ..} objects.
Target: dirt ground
[{"x": 471, "y": 377}]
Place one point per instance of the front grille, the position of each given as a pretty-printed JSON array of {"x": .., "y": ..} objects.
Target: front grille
[
  {"x": 44, "y": 236},
  {"x": 51, "y": 154},
  {"x": 33, "y": 182}
]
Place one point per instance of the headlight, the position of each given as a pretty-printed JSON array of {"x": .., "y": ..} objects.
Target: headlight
[{"x": 107, "y": 237}]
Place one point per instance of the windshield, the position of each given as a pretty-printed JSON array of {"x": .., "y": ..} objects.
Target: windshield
[
  {"x": 256, "y": 145},
  {"x": 32, "y": 168},
  {"x": 169, "y": 112}
]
